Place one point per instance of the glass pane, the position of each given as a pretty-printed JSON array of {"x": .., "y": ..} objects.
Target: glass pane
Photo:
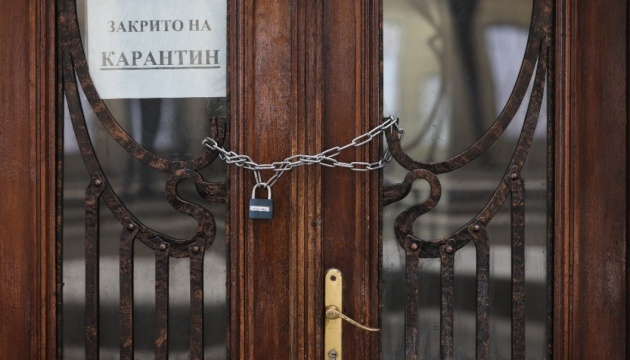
[
  {"x": 449, "y": 68},
  {"x": 170, "y": 123}
]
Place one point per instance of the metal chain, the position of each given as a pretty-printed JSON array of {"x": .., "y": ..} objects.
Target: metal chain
[{"x": 324, "y": 158}]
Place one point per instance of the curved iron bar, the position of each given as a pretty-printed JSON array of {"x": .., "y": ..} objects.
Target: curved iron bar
[
  {"x": 178, "y": 247},
  {"x": 539, "y": 30},
  {"x": 403, "y": 226},
  {"x": 396, "y": 192},
  {"x": 71, "y": 43},
  {"x": 537, "y": 51},
  {"x": 205, "y": 220},
  {"x": 431, "y": 248}
]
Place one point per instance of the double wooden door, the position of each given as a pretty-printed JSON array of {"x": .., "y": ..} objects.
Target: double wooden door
[{"x": 304, "y": 77}]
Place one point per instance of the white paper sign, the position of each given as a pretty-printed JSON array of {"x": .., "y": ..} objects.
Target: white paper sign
[{"x": 157, "y": 48}]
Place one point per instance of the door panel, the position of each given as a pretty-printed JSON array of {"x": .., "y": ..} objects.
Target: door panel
[
  {"x": 265, "y": 295},
  {"x": 304, "y": 80}
]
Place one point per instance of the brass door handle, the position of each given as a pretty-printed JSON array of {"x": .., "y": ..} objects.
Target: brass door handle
[
  {"x": 333, "y": 285},
  {"x": 333, "y": 313}
]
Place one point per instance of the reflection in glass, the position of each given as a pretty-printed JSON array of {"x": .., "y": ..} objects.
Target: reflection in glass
[
  {"x": 448, "y": 69},
  {"x": 171, "y": 128}
]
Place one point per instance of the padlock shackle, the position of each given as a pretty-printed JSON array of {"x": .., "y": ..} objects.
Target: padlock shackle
[{"x": 262, "y": 185}]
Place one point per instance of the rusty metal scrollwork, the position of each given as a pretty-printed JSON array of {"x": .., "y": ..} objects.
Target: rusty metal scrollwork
[
  {"x": 535, "y": 65},
  {"x": 73, "y": 67}
]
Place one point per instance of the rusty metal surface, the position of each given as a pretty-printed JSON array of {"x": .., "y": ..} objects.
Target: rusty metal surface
[
  {"x": 411, "y": 307},
  {"x": 447, "y": 271},
  {"x": 161, "y": 302},
  {"x": 92, "y": 197},
  {"x": 74, "y": 67},
  {"x": 482, "y": 244},
  {"x": 534, "y": 65},
  {"x": 196, "y": 301},
  {"x": 517, "y": 188},
  {"x": 126, "y": 290}
]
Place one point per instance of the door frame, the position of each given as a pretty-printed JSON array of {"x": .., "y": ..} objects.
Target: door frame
[
  {"x": 591, "y": 197},
  {"x": 28, "y": 160}
]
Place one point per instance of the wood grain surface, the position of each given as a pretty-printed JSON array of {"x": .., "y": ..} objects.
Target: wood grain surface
[
  {"x": 304, "y": 77},
  {"x": 591, "y": 293},
  {"x": 27, "y": 183}
]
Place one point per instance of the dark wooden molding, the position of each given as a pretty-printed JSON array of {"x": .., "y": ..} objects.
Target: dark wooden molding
[
  {"x": 27, "y": 162},
  {"x": 351, "y": 106},
  {"x": 275, "y": 112},
  {"x": 562, "y": 215},
  {"x": 48, "y": 108},
  {"x": 590, "y": 281}
]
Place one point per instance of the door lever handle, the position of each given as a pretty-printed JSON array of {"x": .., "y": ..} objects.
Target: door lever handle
[
  {"x": 333, "y": 305},
  {"x": 332, "y": 312}
]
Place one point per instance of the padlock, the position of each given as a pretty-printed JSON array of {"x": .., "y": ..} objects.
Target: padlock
[{"x": 261, "y": 208}]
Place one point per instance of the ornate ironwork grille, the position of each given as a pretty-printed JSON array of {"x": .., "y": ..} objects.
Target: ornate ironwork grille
[
  {"x": 132, "y": 230},
  {"x": 534, "y": 69}
]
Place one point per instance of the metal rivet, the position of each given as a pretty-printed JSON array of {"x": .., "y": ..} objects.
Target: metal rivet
[
  {"x": 333, "y": 278},
  {"x": 476, "y": 228},
  {"x": 514, "y": 176},
  {"x": 98, "y": 182},
  {"x": 195, "y": 249},
  {"x": 162, "y": 247},
  {"x": 413, "y": 246},
  {"x": 131, "y": 226},
  {"x": 449, "y": 249}
]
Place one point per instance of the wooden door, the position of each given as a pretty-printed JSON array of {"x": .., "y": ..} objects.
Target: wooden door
[
  {"x": 305, "y": 79},
  {"x": 301, "y": 79},
  {"x": 304, "y": 76}
]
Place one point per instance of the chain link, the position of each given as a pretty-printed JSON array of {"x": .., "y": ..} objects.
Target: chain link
[{"x": 324, "y": 158}]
